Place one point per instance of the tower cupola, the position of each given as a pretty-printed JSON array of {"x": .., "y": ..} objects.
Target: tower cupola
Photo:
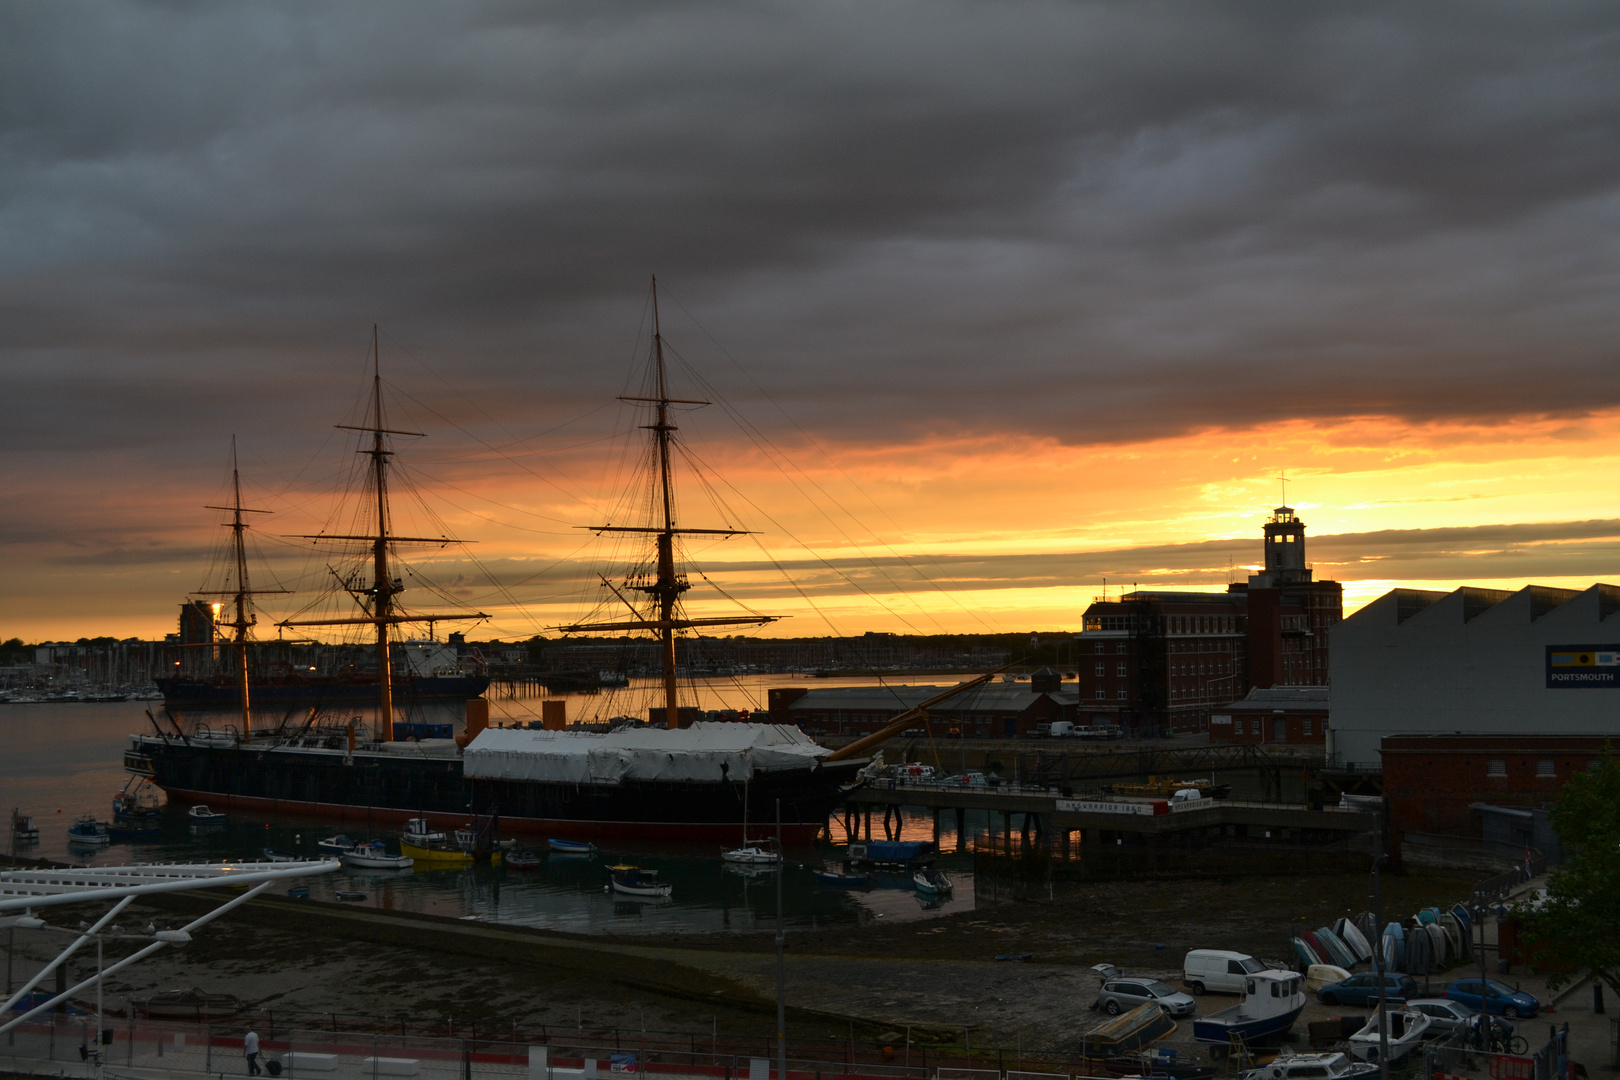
[{"x": 1285, "y": 546}]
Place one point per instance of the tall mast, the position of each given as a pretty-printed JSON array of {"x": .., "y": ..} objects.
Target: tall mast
[
  {"x": 241, "y": 596},
  {"x": 242, "y": 621},
  {"x": 382, "y": 584},
  {"x": 384, "y": 612},
  {"x": 668, "y": 585},
  {"x": 667, "y": 588}
]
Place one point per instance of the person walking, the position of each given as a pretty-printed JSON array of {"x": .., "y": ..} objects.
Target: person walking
[{"x": 250, "y": 1047}]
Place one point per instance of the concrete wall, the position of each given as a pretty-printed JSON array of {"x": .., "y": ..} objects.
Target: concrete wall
[{"x": 1470, "y": 662}]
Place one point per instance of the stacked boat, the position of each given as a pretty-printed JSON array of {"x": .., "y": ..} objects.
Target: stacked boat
[{"x": 1431, "y": 940}]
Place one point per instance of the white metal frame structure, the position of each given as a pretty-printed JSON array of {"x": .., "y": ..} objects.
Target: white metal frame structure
[{"x": 24, "y": 890}]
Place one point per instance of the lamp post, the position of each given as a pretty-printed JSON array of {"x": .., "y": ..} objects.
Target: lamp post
[{"x": 1378, "y": 955}]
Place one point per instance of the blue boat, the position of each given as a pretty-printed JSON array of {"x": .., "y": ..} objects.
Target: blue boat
[
  {"x": 1272, "y": 1001},
  {"x": 835, "y": 877},
  {"x": 571, "y": 847},
  {"x": 88, "y": 831}
]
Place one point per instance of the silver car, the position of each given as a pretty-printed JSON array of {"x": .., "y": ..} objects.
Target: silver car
[
  {"x": 1123, "y": 994},
  {"x": 1445, "y": 1015}
]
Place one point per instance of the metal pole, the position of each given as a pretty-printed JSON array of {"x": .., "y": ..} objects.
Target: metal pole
[
  {"x": 1378, "y": 956},
  {"x": 781, "y": 973}
]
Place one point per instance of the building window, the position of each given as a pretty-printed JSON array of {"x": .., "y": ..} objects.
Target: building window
[
  {"x": 1497, "y": 767},
  {"x": 1306, "y": 725},
  {"x": 1592, "y": 766},
  {"x": 1102, "y": 669},
  {"x": 1102, "y": 646},
  {"x": 1119, "y": 669},
  {"x": 1122, "y": 648},
  {"x": 1124, "y": 694},
  {"x": 1545, "y": 767},
  {"x": 1102, "y": 693}
]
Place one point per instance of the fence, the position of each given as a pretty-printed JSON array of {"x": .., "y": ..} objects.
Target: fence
[{"x": 304, "y": 1054}]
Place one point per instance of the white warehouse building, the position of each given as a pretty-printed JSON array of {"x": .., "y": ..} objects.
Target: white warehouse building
[{"x": 1539, "y": 661}]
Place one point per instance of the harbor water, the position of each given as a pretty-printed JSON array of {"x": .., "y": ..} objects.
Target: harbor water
[{"x": 66, "y": 760}]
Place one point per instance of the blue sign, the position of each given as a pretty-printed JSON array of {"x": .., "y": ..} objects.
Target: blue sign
[{"x": 1583, "y": 667}]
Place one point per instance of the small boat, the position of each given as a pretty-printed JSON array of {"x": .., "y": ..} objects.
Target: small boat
[
  {"x": 299, "y": 892},
  {"x": 280, "y": 856},
  {"x": 133, "y": 830},
  {"x": 337, "y": 845},
  {"x": 750, "y": 854},
  {"x": 88, "y": 832},
  {"x": 524, "y": 860},
  {"x": 929, "y": 880},
  {"x": 1329, "y": 1066},
  {"x": 439, "y": 855},
  {"x": 839, "y": 878},
  {"x": 418, "y": 831},
  {"x": 1128, "y": 1032},
  {"x": 634, "y": 881},
  {"x": 191, "y": 1004},
  {"x": 350, "y": 897},
  {"x": 374, "y": 856},
  {"x": 23, "y": 829},
  {"x": 201, "y": 815},
  {"x": 140, "y": 804},
  {"x": 571, "y": 847},
  {"x": 1272, "y": 1001},
  {"x": 1405, "y": 1031},
  {"x": 1016, "y": 957}
]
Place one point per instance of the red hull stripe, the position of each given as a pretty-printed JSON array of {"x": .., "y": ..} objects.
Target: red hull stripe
[{"x": 692, "y": 831}]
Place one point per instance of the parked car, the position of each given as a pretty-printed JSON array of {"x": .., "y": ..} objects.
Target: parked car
[
  {"x": 1125, "y": 994},
  {"x": 1363, "y": 990},
  {"x": 1445, "y": 1015},
  {"x": 1501, "y": 999},
  {"x": 1218, "y": 970}
]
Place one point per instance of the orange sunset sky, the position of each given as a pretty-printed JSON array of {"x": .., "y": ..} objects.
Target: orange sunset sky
[{"x": 995, "y": 303}]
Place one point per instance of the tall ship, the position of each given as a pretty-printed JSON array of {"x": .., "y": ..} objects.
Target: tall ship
[{"x": 676, "y": 780}]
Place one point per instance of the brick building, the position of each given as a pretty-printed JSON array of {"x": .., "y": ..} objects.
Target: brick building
[
  {"x": 1493, "y": 788},
  {"x": 1156, "y": 661},
  {"x": 1296, "y": 715}
]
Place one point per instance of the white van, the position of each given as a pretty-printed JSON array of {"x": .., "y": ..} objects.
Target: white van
[{"x": 1217, "y": 970}]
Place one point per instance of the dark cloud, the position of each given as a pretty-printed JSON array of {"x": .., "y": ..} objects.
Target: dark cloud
[{"x": 1101, "y": 221}]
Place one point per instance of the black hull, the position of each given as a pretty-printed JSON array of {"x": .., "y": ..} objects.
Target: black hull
[{"x": 385, "y": 788}]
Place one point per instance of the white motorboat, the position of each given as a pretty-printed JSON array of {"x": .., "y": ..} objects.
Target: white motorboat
[
  {"x": 337, "y": 845},
  {"x": 374, "y": 856},
  {"x": 1406, "y": 1029},
  {"x": 88, "y": 832},
  {"x": 750, "y": 854},
  {"x": 932, "y": 882},
  {"x": 201, "y": 815}
]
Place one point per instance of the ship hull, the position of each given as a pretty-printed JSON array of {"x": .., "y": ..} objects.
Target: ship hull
[
  {"x": 388, "y": 789},
  {"x": 181, "y": 693}
]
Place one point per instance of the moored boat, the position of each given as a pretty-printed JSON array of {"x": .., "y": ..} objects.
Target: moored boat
[
  {"x": 201, "y": 815},
  {"x": 23, "y": 829},
  {"x": 636, "y": 881},
  {"x": 88, "y": 832},
  {"x": 336, "y": 845},
  {"x": 374, "y": 856},
  {"x": 280, "y": 856},
  {"x": 523, "y": 859},
  {"x": 839, "y": 878},
  {"x": 419, "y": 832},
  {"x": 1403, "y": 1031},
  {"x": 571, "y": 847},
  {"x": 751, "y": 854},
  {"x": 932, "y": 881}
]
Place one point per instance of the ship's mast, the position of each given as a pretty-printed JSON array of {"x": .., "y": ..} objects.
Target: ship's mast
[
  {"x": 244, "y": 617},
  {"x": 667, "y": 586},
  {"x": 384, "y": 586}
]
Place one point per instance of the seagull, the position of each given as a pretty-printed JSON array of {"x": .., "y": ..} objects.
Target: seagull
[{"x": 151, "y": 928}]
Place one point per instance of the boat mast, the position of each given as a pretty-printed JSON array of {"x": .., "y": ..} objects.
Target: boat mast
[
  {"x": 384, "y": 587},
  {"x": 668, "y": 584},
  {"x": 244, "y": 617},
  {"x": 667, "y": 588}
]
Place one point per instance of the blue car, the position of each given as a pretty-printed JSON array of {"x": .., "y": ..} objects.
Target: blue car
[
  {"x": 1499, "y": 998},
  {"x": 1363, "y": 990}
]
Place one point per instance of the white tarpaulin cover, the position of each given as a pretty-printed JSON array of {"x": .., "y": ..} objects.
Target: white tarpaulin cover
[{"x": 704, "y": 752}]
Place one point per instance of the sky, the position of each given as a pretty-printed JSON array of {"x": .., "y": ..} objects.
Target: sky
[{"x": 999, "y": 306}]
